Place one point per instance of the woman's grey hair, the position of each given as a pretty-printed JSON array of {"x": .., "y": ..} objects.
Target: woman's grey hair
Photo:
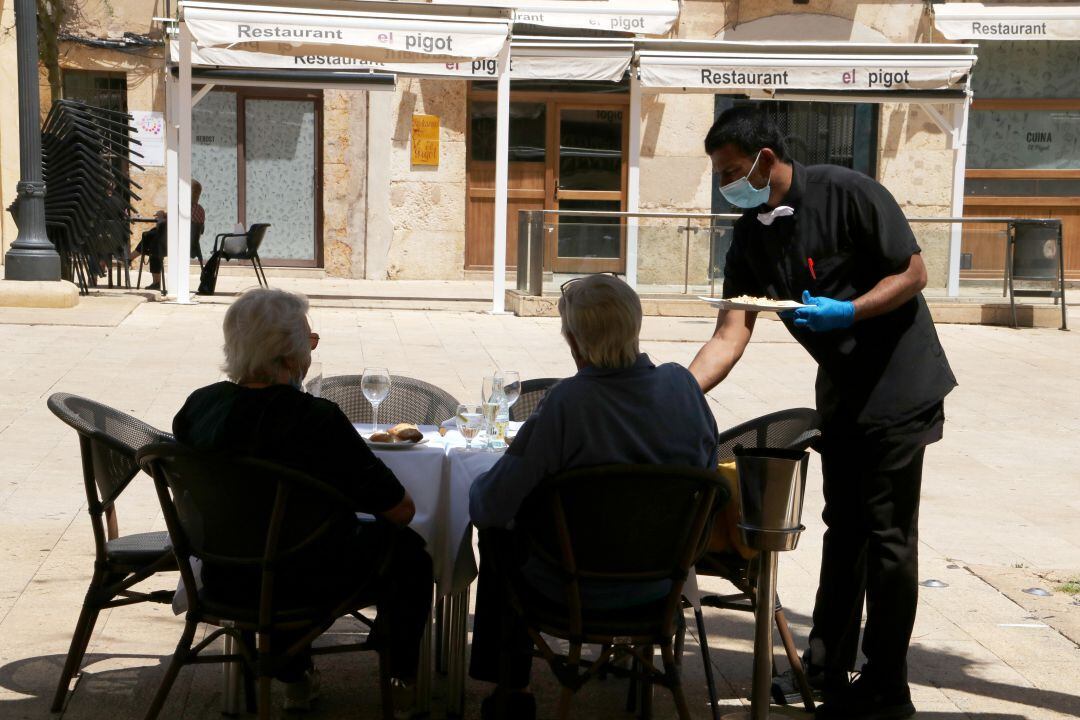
[
  {"x": 603, "y": 314},
  {"x": 265, "y": 331}
]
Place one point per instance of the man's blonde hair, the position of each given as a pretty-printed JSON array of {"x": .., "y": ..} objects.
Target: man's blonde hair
[
  {"x": 603, "y": 314},
  {"x": 265, "y": 329}
]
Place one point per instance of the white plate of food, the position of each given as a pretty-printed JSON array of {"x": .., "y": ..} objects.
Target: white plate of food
[
  {"x": 753, "y": 304},
  {"x": 402, "y": 436}
]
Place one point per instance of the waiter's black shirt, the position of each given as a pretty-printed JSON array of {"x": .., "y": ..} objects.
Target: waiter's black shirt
[{"x": 881, "y": 372}]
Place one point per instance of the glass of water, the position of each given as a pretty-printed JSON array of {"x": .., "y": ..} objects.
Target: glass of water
[
  {"x": 493, "y": 404},
  {"x": 469, "y": 421},
  {"x": 375, "y": 385}
]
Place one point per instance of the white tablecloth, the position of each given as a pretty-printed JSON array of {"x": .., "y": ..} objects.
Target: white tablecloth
[{"x": 438, "y": 476}]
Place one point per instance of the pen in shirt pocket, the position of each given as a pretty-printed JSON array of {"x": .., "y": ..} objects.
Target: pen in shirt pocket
[{"x": 810, "y": 264}]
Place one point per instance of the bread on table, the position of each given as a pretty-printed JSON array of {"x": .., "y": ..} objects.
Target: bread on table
[
  {"x": 381, "y": 437},
  {"x": 405, "y": 432}
]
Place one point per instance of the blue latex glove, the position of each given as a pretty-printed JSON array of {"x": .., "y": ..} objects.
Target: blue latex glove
[{"x": 824, "y": 313}]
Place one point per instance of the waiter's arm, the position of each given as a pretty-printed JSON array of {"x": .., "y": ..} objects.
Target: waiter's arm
[
  {"x": 892, "y": 291},
  {"x": 716, "y": 357}
]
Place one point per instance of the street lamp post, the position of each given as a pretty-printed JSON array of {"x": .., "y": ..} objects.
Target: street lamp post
[{"x": 32, "y": 256}]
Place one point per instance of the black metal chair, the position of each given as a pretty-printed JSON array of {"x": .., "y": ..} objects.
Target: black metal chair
[
  {"x": 532, "y": 392},
  {"x": 158, "y": 243},
  {"x": 793, "y": 429},
  {"x": 410, "y": 400},
  {"x": 1035, "y": 253},
  {"x": 244, "y": 246},
  {"x": 615, "y": 523},
  {"x": 255, "y": 527},
  {"x": 109, "y": 441}
]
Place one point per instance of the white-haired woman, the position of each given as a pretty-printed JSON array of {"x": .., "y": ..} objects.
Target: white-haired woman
[
  {"x": 264, "y": 413},
  {"x": 618, "y": 408}
]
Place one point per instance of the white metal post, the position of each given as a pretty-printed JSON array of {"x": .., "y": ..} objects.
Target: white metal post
[
  {"x": 959, "y": 144},
  {"x": 633, "y": 180},
  {"x": 502, "y": 150},
  {"x": 180, "y": 256},
  {"x": 172, "y": 174}
]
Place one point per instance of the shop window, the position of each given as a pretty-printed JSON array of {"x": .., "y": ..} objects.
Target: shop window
[
  {"x": 104, "y": 90},
  {"x": 528, "y": 131},
  {"x": 1028, "y": 69}
]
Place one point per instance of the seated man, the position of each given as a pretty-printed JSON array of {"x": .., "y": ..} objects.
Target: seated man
[
  {"x": 264, "y": 413},
  {"x": 618, "y": 408}
]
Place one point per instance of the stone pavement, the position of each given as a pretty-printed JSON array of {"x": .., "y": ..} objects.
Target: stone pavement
[{"x": 999, "y": 512}]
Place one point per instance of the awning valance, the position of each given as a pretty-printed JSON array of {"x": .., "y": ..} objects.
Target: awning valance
[
  {"x": 771, "y": 68},
  {"x": 408, "y": 35},
  {"x": 976, "y": 21},
  {"x": 635, "y": 17},
  {"x": 539, "y": 59}
]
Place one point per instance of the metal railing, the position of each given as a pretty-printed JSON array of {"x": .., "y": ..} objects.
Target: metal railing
[{"x": 540, "y": 233}]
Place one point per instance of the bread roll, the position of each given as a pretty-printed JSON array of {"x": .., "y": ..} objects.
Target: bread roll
[
  {"x": 404, "y": 432},
  {"x": 381, "y": 437}
]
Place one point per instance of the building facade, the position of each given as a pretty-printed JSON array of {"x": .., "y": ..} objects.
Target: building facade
[{"x": 336, "y": 175}]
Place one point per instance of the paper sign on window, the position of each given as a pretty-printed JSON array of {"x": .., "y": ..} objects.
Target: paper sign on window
[{"x": 425, "y": 139}]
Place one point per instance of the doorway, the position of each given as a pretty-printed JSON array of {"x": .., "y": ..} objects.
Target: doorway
[{"x": 567, "y": 152}]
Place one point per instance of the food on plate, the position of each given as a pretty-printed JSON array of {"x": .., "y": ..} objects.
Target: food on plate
[
  {"x": 405, "y": 432},
  {"x": 751, "y": 300},
  {"x": 381, "y": 437}
]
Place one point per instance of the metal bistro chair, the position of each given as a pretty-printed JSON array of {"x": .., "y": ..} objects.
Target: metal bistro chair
[
  {"x": 793, "y": 429},
  {"x": 614, "y": 523},
  {"x": 244, "y": 246},
  {"x": 532, "y": 392},
  {"x": 109, "y": 441},
  {"x": 1035, "y": 253},
  {"x": 410, "y": 400},
  {"x": 255, "y": 527}
]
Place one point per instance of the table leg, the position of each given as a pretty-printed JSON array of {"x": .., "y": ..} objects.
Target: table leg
[
  {"x": 457, "y": 642},
  {"x": 231, "y": 678},
  {"x": 423, "y": 674}
]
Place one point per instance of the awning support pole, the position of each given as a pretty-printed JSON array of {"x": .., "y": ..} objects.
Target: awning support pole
[
  {"x": 182, "y": 258},
  {"x": 172, "y": 174},
  {"x": 502, "y": 151},
  {"x": 633, "y": 179},
  {"x": 959, "y": 145}
]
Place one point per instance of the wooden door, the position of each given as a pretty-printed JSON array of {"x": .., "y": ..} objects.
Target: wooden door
[
  {"x": 588, "y": 160},
  {"x": 986, "y": 243}
]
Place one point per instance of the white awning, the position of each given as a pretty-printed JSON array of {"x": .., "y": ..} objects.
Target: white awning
[
  {"x": 635, "y": 17},
  {"x": 404, "y": 32},
  {"x": 772, "y": 68},
  {"x": 976, "y": 21},
  {"x": 539, "y": 59}
]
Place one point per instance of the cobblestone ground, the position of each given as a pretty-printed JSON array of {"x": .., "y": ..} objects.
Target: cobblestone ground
[{"x": 999, "y": 511}]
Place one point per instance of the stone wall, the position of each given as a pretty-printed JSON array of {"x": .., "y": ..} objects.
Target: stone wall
[
  {"x": 344, "y": 182},
  {"x": 427, "y": 203}
]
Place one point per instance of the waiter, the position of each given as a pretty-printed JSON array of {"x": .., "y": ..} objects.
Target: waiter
[{"x": 837, "y": 241}]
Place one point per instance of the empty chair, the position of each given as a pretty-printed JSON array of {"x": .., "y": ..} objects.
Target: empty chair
[
  {"x": 410, "y": 400},
  {"x": 256, "y": 529},
  {"x": 633, "y": 524},
  {"x": 793, "y": 429},
  {"x": 109, "y": 441},
  {"x": 532, "y": 392},
  {"x": 244, "y": 246}
]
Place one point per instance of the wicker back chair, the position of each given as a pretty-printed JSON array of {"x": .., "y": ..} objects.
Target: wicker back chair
[
  {"x": 109, "y": 440},
  {"x": 410, "y": 400},
  {"x": 532, "y": 392}
]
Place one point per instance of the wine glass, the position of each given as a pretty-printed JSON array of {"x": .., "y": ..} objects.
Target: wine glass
[
  {"x": 511, "y": 387},
  {"x": 375, "y": 385},
  {"x": 469, "y": 420}
]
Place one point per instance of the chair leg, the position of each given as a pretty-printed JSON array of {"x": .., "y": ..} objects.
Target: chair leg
[
  {"x": 80, "y": 640},
  {"x": 142, "y": 261},
  {"x": 707, "y": 662},
  {"x": 672, "y": 671},
  {"x": 794, "y": 660},
  {"x": 179, "y": 657},
  {"x": 263, "y": 706},
  {"x": 250, "y": 702},
  {"x": 256, "y": 261},
  {"x": 645, "y": 685},
  {"x": 565, "y": 698}
]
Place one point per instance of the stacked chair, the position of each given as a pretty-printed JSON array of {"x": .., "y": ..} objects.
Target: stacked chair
[{"x": 88, "y": 196}]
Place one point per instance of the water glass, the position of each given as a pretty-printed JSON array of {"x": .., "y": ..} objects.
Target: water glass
[
  {"x": 496, "y": 411},
  {"x": 375, "y": 384},
  {"x": 313, "y": 379},
  {"x": 469, "y": 420}
]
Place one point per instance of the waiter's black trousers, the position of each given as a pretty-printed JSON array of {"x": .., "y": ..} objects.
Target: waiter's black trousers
[
  {"x": 870, "y": 551},
  {"x": 501, "y": 646}
]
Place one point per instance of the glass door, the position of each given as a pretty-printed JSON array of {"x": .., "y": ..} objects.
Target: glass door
[
  {"x": 280, "y": 182},
  {"x": 590, "y": 174}
]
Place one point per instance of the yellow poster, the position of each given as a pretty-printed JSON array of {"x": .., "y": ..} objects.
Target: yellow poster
[{"x": 425, "y": 139}]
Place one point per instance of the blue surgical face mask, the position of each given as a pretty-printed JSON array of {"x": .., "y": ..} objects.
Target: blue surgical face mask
[{"x": 742, "y": 194}]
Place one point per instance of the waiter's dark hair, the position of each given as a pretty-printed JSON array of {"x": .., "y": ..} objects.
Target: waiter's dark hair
[{"x": 748, "y": 129}]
